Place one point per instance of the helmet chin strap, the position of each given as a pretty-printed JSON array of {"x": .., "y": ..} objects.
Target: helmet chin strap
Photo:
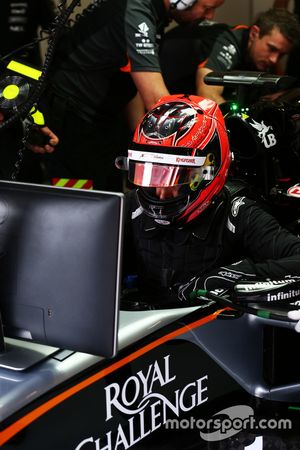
[{"x": 181, "y": 5}]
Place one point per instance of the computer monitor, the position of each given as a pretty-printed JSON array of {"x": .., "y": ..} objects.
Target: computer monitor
[{"x": 60, "y": 266}]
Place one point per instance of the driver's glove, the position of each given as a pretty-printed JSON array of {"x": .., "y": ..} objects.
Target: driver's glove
[{"x": 219, "y": 281}]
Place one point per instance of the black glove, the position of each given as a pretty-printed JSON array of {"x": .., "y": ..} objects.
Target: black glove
[{"x": 220, "y": 282}]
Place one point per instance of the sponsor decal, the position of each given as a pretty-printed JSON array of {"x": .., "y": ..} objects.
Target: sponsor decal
[
  {"x": 136, "y": 213},
  {"x": 157, "y": 210},
  {"x": 162, "y": 222},
  {"x": 165, "y": 158},
  {"x": 266, "y": 285},
  {"x": 143, "y": 44},
  {"x": 143, "y": 29},
  {"x": 230, "y": 226},
  {"x": 264, "y": 132},
  {"x": 203, "y": 207},
  {"x": 226, "y": 55},
  {"x": 141, "y": 399},
  {"x": 236, "y": 204},
  {"x": 294, "y": 191},
  {"x": 283, "y": 295},
  {"x": 227, "y": 274},
  {"x": 269, "y": 287},
  {"x": 186, "y": 160}
]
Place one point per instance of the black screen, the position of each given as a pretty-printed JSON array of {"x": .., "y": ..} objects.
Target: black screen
[{"x": 60, "y": 252}]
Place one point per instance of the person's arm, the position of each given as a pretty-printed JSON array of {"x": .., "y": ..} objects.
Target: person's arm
[
  {"x": 52, "y": 139},
  {"x": 134, "y": 111},
  {"x": 224, "y": 55},
  {"x": 142, "y": 27},
  {"x": 205, "y": 90},
  {"x": 269, "y": 251},
  {"x": 151, "y": 87}
]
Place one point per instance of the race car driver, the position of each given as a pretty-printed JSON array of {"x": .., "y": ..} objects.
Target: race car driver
[{"x": 189, "y": 230}]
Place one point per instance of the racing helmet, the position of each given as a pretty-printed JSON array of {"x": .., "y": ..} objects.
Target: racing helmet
[
  {"x": 181, "y": 144},
  {"x": 181, "y": 5}
]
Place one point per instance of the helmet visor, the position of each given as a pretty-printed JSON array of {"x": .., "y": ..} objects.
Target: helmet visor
[{"x": 163, "y": 170}]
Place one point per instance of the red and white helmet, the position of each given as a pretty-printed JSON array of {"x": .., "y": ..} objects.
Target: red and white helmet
[{"x": 181, "y": 142}]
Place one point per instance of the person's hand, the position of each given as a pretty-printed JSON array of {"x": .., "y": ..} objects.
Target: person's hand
[
  {"x": 295, "y": 315},
  {"x": 42, "y": 140},
  {"x": 220, "y": 281}
]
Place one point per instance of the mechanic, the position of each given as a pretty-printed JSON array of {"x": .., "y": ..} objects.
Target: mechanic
[
  {"x": 187, "y": 228},
  {"x": 189, "y": 53},
  {"x": 104, "y": 59}
]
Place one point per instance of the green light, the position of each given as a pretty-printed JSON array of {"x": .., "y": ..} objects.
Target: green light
[{"x": 234, "y": 107}]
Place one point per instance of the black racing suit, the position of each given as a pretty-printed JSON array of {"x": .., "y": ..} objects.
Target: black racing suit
[
  {"x": 218, "y": 47},
  {"x": 229, "y": 231},
  {"x": 91, "y": 84}
]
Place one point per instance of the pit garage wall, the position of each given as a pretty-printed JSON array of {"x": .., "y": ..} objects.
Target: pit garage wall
[
  {"x": 232, "y": 12},
  {"x": 243, "y": 11}
]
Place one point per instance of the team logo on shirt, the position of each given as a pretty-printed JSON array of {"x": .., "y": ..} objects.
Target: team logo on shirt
[
  {"x": 144, "y": 45},
  {"x": 236, "y": 204},
  {"x": 143, "y": 29},
  {"x": 226, "y": 54}
]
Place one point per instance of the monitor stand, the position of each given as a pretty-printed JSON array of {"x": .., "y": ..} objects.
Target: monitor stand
[{"x": 19, "y": 355}]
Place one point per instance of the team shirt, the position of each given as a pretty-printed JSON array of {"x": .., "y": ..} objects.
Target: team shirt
[
  {"x": 218, "y": 47},
  {"x": 110, "y": 40}
]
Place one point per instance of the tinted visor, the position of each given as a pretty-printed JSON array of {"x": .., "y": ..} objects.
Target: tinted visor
[{"x": 171, "y": 170}]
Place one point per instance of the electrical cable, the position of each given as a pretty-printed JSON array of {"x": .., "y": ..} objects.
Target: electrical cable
[{"x": 60, "y": 22}]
